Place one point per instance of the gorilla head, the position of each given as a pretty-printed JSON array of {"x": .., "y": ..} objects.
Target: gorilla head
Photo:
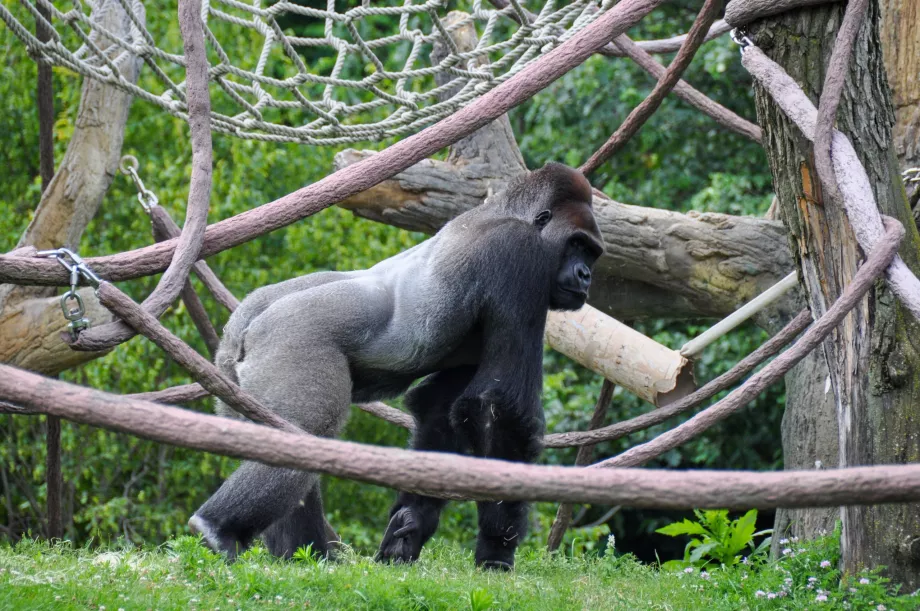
[{"x": 557, "y": 200}]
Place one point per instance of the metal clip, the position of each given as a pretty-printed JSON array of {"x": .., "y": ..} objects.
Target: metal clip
[
  {"x": 76, "y": 315},
  {"x": 78, "y": 269},
  {"x": 145, "y": 196},
  {"x": 739, "y": 37}
]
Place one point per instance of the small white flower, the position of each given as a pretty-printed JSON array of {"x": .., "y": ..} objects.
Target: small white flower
[
  {"x": 864, "y": 581},
  {"x": 704, "y": 575},
  {"x": 794, "y": 539},
  {"x": 788, "y": 581},
  {"x": 825, "y": 564},
  {"x": 812, "y": 579},
  {"x": 801, "y": 550},
  {"x": 278, "y": 597},
  {"x": 688, "y": 570},
  {"x": 881, "y": 608},
  {"x": 611, "y": 542},
  {"x": 852, "y": 590},
  {"x": 771, "y": 595},
  {"x": 745, "y": 560},
  {"x": 257, "y": 596},
  {"x": 760, "y": 593},
  {"x": 821, "y": 598},
  {"x": 783, "y": 541},
  {"x": 782, "y": 594},
  {"x": 787, "y": 551}
]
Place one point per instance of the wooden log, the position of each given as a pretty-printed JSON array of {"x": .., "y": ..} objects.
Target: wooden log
[{"x": 621, "y": 354}]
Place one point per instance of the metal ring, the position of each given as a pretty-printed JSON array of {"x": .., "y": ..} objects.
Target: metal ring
[
  {"x": 75, "y": 314},
  {"x": 128, "y": 163}
]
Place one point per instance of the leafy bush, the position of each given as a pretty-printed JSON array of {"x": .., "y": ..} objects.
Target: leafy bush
[{"x": 720, "y": 541}]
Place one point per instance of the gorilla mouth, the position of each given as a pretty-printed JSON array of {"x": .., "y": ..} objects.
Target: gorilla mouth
[{"x": 578, "y": 293}]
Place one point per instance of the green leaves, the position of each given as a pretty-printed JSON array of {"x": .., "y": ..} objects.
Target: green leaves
[{"x": 719, "y": 541}]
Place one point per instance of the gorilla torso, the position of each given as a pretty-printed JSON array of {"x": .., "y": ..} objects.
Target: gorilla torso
[{"x": 393, "y": 332}]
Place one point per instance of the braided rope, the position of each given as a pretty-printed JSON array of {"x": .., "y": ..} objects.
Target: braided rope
[{"x": 379, "y": 85}]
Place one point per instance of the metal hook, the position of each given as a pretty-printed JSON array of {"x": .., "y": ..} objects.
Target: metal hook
[
  {"x": 739, "y": 37},
  {"x": 128, "y": 166}
]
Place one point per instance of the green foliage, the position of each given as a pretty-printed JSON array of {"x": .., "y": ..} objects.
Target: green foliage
[
  {"x": 718, "y": 541},
  {"x": 184, "y": 574}
]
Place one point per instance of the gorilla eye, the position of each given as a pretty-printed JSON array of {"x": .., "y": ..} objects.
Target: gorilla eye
[{"x": 543, "y": 219}]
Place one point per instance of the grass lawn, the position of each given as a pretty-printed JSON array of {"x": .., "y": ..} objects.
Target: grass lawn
[{"x": 183, "y": 575}]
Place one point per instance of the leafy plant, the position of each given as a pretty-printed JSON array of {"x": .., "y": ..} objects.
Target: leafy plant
[
  {"x": 306, "y": 555},
  {"x": 480, "y": 599},
  {"x": 718, "y": 540}
]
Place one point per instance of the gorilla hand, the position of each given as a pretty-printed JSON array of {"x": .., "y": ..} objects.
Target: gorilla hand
[{"x": 402, "y": 541}]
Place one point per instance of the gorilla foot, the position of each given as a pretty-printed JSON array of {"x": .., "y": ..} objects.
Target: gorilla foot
[
  {"x": 228, "y": 545},
  {"x": 402, "y": 541},
  {"x": 496, "y": 565}
]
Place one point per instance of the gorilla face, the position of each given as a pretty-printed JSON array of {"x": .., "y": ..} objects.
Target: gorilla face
[{"x": 573, "y": 279}]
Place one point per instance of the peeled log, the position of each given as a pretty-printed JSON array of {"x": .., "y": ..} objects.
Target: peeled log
[{"x": 621, "y": 354}]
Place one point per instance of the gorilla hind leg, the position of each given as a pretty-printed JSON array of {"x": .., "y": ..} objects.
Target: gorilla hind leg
[
  {"x": 313, "y": 393},
  {"x": 252, "y": 499},
  {"x": 303, "y": 526}
]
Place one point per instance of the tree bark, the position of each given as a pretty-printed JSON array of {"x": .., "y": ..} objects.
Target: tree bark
[
  {"x": 30, "y": 317},
  {"x": 874, "y": 365},
  {"x": 901, "y": 50}
]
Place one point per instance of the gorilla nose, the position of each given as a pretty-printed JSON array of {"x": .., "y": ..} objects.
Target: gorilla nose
[{"x": 583, "y": 272}]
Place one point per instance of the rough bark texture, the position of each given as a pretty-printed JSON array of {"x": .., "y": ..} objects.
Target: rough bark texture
[
  {"x": 873, "y": 356},
  {"x": 30, "y": 317},
  {"x": 901, "y": 49}
]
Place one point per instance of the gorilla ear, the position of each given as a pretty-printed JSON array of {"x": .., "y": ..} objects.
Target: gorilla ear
[{"x": 543, "y": 219}]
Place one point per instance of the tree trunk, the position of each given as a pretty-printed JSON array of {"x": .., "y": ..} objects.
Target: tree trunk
[
  {"x": 874, "y": 365},
  {"x": 31, "y": 321},
  {"x": 901, "y": 49}
]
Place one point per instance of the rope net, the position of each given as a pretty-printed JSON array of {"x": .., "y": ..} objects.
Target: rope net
[{"x": 305, "y": 71}]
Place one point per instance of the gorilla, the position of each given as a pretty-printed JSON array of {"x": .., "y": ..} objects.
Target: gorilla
[{"x": 465, "y": 309}]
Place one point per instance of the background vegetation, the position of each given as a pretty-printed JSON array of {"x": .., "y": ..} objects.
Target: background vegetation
[{"x": 119, "y": 487}]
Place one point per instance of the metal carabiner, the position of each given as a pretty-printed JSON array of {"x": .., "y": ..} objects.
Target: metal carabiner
[
  {"x": 128, "y": 166},
  {"x": 740, "y": 38}
]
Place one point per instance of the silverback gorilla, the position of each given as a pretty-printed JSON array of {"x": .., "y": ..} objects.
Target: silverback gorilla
[{"x": 467, "y": 308}]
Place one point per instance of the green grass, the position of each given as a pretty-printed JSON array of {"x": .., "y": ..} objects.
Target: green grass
[{"x": 184, "y": 575}]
